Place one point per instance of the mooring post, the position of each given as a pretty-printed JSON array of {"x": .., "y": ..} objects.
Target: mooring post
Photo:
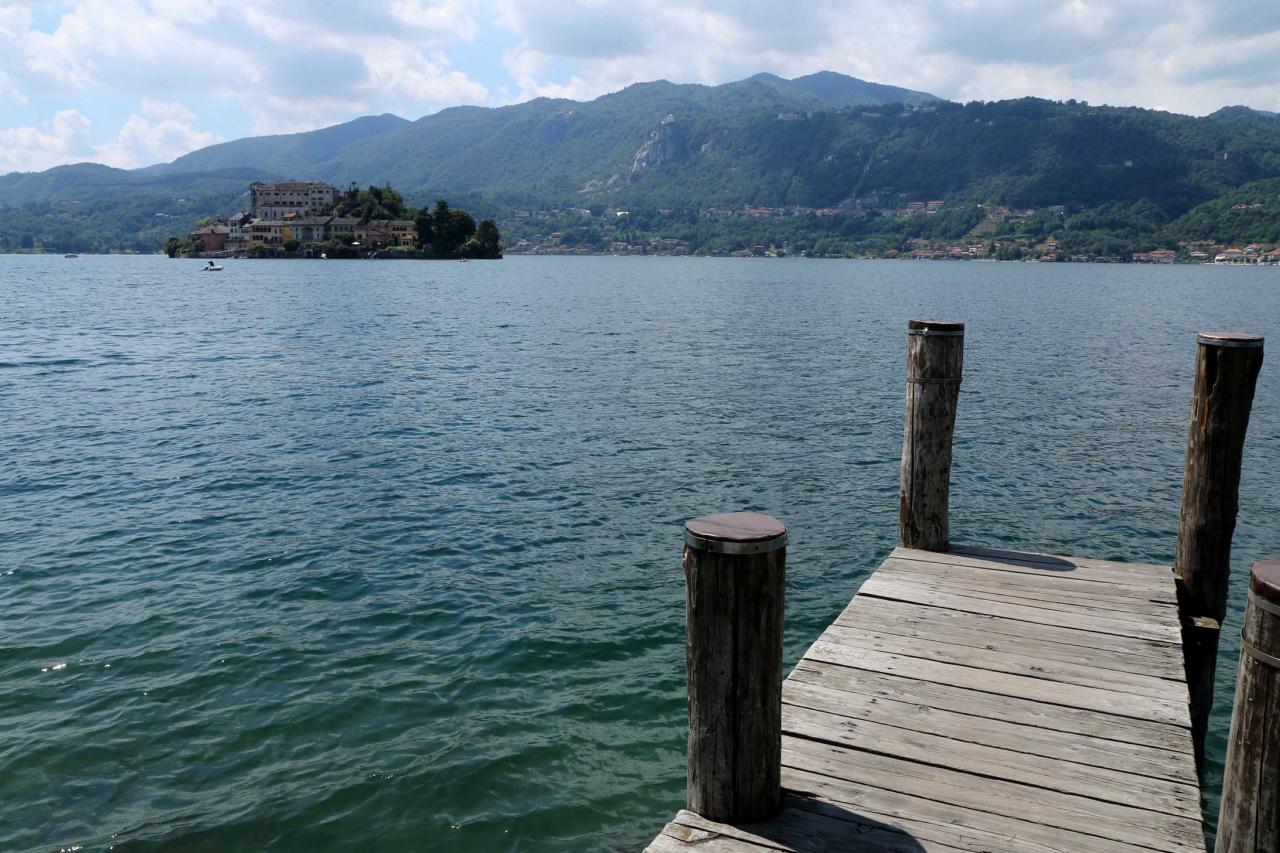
[
  {"x": 735, "y": 571},
  {"x": 1227, "y": 365},
  {"x": 935, "y": 359},
  {"x": 1249, "y": 817}
]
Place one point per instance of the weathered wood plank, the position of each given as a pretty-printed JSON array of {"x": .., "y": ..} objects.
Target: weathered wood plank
[
  {"x": 1059, "y": 809},
  {"x": 1059, "y": 590},
  {"x": 900, "y": 591},
  {"x": 1150, "y": 579},
  {"x": 676, "y": 838},
  {"x": 1026, "y": 598},
  {"x": 971, "y": 801},
  {"x": 987, "y": 706},
  {"x": 980, "y": 701},
  {"x": 1100, "y": 783},
  {"x": 995, "y": 660},
  {"x": 1098, "y": 752},
  {"x": 1016, "y": 630},
  {"x": 1004, "y": 684},
  {"x": 798, "y": 828},
  {"x": 932, "y": 821},
  {"x": 919, "y": 621},
  {"x": 916, "y": 817},
  {"x": 1151, "y": 570}
]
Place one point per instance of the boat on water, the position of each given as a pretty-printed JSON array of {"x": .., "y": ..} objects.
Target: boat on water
[
  {"x": 70, "y": 255},
  {"x": 211, "y": 267}
]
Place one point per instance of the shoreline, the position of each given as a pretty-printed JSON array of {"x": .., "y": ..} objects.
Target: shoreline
[{"x": 415, "y": 256}]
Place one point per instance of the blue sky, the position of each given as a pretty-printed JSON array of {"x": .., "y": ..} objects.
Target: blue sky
[{"x": 134, "y": 82}]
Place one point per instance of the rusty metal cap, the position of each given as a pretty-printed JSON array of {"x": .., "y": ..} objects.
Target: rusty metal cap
[
  {"x": 736, "y": 533},
  {"x": 1264, "y": 580},
  {"x": 1244, "y": 340},
  {"x": 940, "y": 328}
]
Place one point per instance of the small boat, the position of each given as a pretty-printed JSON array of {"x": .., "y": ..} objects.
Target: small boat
[
  {"x": 70, "y": 255},
  {"x": 211, "y": 267},
  {"x": 324, "y": 256}
]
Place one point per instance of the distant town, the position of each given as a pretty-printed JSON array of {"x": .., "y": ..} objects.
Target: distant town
[
  {"x": 312, "y": 219},
  {"x": 826, "y": 232}
]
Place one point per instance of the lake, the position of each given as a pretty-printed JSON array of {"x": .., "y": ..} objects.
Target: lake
[{"x": 315, "y": 555}]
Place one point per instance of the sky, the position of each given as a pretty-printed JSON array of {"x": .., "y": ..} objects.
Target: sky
[{"x": 131, "y": 82}]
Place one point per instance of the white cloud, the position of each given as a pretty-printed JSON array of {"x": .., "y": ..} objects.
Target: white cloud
[
  {"x": 295, "y": 65},
  {"x": 159, "y": 131},
  {"x": 1187, "y": 55},
  {"x": 64, "y": 138},
  {"x": 162, "y": 131}
]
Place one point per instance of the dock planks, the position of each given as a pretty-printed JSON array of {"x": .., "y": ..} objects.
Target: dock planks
[{"x": 984, "y": 700}]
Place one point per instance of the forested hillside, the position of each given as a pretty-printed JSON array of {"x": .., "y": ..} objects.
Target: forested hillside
[{"x": 825, "y": 140}]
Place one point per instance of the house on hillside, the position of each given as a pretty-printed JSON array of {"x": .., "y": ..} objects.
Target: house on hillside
[
  {"x": 1159, "y": 256},
  {"x": 211, "y": 237},
  {"x": 239, "y": 234},
  {"x": 268, "y": 232},
  {"x": 300, "y": 198},
  {"x": 386, "y": 232},
  {"x": 310, "y": 229}
]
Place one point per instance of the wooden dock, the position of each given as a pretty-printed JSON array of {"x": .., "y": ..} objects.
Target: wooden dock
[{"x": 984, "y": 700}]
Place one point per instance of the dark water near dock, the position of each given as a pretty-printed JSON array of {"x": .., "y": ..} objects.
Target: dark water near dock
[{"x": 317, "y": 555}]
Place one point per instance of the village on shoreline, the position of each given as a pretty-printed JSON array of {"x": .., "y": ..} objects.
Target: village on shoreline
[
  {"x": 302, "y": 220},
  {"x": 296, "y": 219},
  {"x": 798, "y": 231}
]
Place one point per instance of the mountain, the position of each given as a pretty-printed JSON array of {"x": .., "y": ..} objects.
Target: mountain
[
  {"x": 287, "y": 153},
  {"x": 820, "y": 140},
  {"x": 838, "y": 90}
]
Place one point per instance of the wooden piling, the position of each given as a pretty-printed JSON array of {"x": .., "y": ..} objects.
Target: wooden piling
[
  {"x": 1249, "y": 819},
  {"x": 735, "y": 570},
  {"x": 935, "y": 358},
  {"x": 1227, "y": 365}
]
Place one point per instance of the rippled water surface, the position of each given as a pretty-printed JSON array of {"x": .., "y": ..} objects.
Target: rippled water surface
[{"x": 316, "y": 555}]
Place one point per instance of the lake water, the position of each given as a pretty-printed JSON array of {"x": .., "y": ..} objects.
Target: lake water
[{"x": 317, "y": 555}]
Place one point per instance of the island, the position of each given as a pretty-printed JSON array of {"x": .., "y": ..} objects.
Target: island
[{"x": 300, "y": 219}]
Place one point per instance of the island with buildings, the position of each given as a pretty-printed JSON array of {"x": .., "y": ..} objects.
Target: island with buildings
[{"x": 307, "y": 219}]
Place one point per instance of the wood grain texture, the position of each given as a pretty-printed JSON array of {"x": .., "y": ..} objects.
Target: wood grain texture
[
  {"x": 985, "y": 701},
  {"x": 1249, "y": 819},
  {"x": 934, "y": 366},
  {"x": 1225, "y": 379},
  {"x": 733, "y": 653}
]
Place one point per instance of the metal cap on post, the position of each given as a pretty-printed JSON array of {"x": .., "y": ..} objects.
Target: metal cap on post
[
  {"x": 1249, "y": 816},
  {"x": 735, "y": 571},
  {"x": 1227, "y": 366},
  {"x": 935, "y": 362}
]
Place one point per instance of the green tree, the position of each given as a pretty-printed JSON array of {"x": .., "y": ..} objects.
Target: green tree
[
  {"x": 373, "y": 203},
  {"x": 426, "y": 232},
  {"x": 450, "y": 230},
  {"x": 488, "y": 240}
]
